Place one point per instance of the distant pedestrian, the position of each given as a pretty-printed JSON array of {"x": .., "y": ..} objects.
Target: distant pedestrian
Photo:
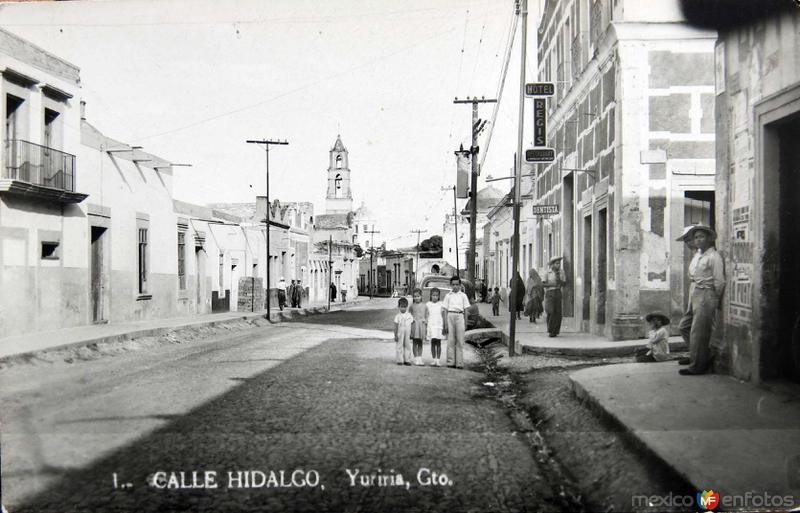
[
  {"x": 496, "y": 302},
  {"x": 290, "y": 293},
  {"x": 343, "y": 292},
  {"x": 707, "y": 275},
  {"x": 454, "y": 317},
  {"x": 534, "y": 296},
  {"x": 553, "y": 281},
  {"x": 333, "y": 292},
  {"x": 434, "y": 319},
  {"x": 517, "y": 289},
  {"x": 403, "y": 323},
  {"x": 281, "y": 293},
  {"x": 418, "y": 311},
  {"x": 657, "y": 349},
  {"x": 298, "y": 294}
]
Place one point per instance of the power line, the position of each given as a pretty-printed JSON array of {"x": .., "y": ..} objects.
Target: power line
[
  {"x": 287, "y": 19},
  {"x": 500, "y": 87},
  {"x": 295, "y": 90},
  {"x": 478, "y": 51},
  {"x": 458, "y": 84}
]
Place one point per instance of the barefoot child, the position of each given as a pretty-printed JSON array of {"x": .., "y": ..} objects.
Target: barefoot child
[
  {"x": 418, "y": 310},
  {"x": 657, "y": 349},
  {"x": 403, "y": 323},
  {"x": 433, "y": 318}
]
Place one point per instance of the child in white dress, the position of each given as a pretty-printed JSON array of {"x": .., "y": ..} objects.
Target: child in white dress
[{"x": 433, "y": 316}]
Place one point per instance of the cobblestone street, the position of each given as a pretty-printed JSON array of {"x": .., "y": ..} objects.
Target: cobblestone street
[{"x": 323, "y": 398}]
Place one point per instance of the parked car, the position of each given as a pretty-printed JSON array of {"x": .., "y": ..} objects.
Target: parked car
[{"x": 442, "y": 283}]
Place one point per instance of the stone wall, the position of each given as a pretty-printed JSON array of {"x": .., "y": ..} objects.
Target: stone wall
[{"x": 756, "y": 67}]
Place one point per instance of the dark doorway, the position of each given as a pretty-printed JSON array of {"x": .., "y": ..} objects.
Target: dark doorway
[
  {"x": 698, "y": 208},
  {"x": 789, "y": 249},
  {"x": 568, "y": 215},
  {"x": 97, "y": 272},
  {"x": 602, "y": 259},
  {"x": 587, "y": 270},
  {"x": 200, "y": 274}
]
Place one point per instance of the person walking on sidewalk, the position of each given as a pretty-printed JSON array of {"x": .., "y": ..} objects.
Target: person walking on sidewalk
[
  {"x": 298, "y": 294},
  {"x": 290, "y": 293},
  {"x": 496, "y": 302},
  {"x": 281, "y": 293},
  {"x": 454, "y": 317},
  {"x": 534, "y": 297},
  {"x": 516, "y": 287},
  {"x": 553, "y": 281},
  {"x": 333, "y": 292},
  {"x": 707, "y": 276}
]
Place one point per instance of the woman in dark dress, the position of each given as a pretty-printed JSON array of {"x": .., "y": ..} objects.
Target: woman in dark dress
[{"x": 517, "y": 303}]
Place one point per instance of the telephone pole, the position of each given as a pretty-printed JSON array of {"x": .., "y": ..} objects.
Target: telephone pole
[
  {"x": 477, "y": 126},
  {"x": 455, "y": 226},
  {"x": 371, "y": 252},
  {"x": 416, "y": 266},
  {"x": 267, "y": 143},
  {"x": 522, "y": 11}
]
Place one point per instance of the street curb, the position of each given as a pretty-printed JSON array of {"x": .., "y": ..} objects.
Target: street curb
[
  {"x": 625, "y": 348},
  {"x": 274, "y": 318},
  {"x": 629, "y": 434},
  {"x": 621, "y": 350}
]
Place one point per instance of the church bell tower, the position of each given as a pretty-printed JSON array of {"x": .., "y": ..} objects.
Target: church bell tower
[{"x": 339, "y": 199}]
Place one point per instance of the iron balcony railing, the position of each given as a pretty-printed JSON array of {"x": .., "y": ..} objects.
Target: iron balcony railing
[{"x": 39, "y": 165}]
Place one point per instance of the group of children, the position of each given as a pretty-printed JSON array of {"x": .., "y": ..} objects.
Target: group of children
[{"x": 417, "y": 322}]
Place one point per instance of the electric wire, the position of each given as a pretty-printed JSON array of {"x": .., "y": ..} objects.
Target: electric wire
[
  {"x": 368, "y": 62},
  {"x": 500, "y": 88}
]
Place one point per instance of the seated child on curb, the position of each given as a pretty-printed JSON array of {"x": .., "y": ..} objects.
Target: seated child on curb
[
  {"x": 403, "y": 324},
  {"x": 496, "y": 301},
  {"x": 657, "y": 349}
]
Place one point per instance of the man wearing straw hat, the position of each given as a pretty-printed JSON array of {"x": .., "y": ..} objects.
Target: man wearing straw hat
[
  {"x": 707, "y": 276},
  {"x": 553, "y": 281}
]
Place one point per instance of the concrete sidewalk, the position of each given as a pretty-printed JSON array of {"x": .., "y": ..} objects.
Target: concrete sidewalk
[
  {"x": 19, "y": 345},
  {"x": 716, "y": 432},
  {"x": 534, "y": 339}
]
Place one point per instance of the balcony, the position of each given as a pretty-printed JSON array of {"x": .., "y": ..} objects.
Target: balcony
[{"x": 39, "y": 171}]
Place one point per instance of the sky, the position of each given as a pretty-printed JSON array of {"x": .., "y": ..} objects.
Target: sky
[{"x": 191, "y": 80}]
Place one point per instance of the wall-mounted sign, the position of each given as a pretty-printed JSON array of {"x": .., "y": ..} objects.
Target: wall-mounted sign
[
  {"x": 540, "y": 155},
  {"x": 545, "y": 210},
  {"x": 539, "y": 122},
  {"x": 540, "y": 89},
  {"x": 462, "y": 174}
]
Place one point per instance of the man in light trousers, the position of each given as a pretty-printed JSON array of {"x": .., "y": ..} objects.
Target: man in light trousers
[
  {"x": 454, "y": 317},
  {"x": 707, "y": 275}
]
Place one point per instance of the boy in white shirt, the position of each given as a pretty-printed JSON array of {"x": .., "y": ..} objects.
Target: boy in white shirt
[{"x": 403, "y": 323}]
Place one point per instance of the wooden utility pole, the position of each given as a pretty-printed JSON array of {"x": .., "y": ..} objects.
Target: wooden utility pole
[
  {"x": 267, "y": 143},
  {"x": 512, "y": 344},
  {"x": 371, "y": 252},
  {"x": 416, "y": 266},
  {"x": 477, "y": 126}
]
